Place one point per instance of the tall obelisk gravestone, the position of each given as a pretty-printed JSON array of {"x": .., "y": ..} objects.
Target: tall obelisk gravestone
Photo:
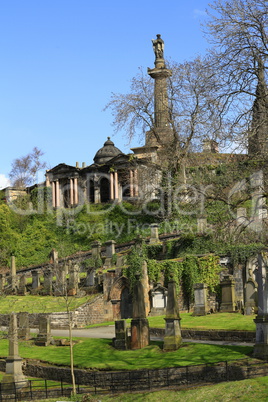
[
  {"x": 139, "y": 324},
  {"x": 172, "y": 338},
  {"x": 14, "y": 361}
]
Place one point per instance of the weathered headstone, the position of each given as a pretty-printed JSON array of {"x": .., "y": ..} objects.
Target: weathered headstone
[
  {"x": 154, "y": 237},
  {"x": 261, "y": 346},
  {"x": 35, "y": 280},
  {"x": 48, "y": 281},
  {"x": 24, "y": 328},
  {"x": 172, "y": 338},
  {"x": 200, "y": 299},
  {"x": 44, "y": 336},
  {"x": 109, "y": 252},
  {"x": 90, "y": 278},
  {"x": 120, "y": 341},
  {"x": 228, "y": 304},
  {"x": 250, "y": 297},
  {"x": 22, "y": 285},
  {"x": 140, "y": 336},
  {"x": 158, "y": 300},
  {"x": 14, "y": 372}
]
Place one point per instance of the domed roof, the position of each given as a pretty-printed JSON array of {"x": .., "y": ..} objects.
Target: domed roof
[{"x": 107, "y": 152}]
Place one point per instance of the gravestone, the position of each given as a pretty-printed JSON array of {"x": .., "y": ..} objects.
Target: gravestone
[
  {"x": 120, "y": 341},
  {"x": 109, "y": 252},
  {"x": 35, "y": 280},
  {"x": 44, "y": 336},
  {"x": 48, "y": 281},
  {"x": 154, "y": 237},
  {"x": 73, "y": 283},
  {"x": 158, "y": 297},
  {"x": 13, "y": 372},
  {"x": 96, "y": 249},
  {"x": 90, "y": 278},
  {"x": 228, "y": 304},
  {"x": 13, "y": 275},
  {"x": 200, "y": 299},
  {"x": 24, "y": 328},
  {"x": 172, "y": 338},
  {"x": 61, "y": 281},
  {"x": 250, "y": 297},
  {"x": 22, "y": 285},
  {"x": 261, "y": 346},
  {"x": 140, "y": 336}
]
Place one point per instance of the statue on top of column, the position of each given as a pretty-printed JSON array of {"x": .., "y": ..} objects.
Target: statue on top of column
[{"x": 158, "y": 46}]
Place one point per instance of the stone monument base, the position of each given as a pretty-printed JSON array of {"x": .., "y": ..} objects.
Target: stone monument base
[
  {"x": 172, "y": 338},
  {"x": 13, "y": 375},
  {"x": 140, "y": 336},
  {"x": 260, "y": 350}
]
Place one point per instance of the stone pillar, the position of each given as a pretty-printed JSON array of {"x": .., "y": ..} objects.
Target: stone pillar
[
  {"x": 24, "y": 328},
  {"x": 261, "y": 346},
  {"x": 136, "y": 184},
  {"x": 228, "y": 304},
  {"x": 12, "y": 278},
  {"x": 96, "y": 249},
  {"x": 48, "y": 281},
  {"x": 73, "y": 279},
  {"x": 61, "y": 282},
  {"x": 140, "y": 336},
  {"x": 116, "y": 192},
  {"x": 111, "y": 186},
  {"x": 154, "y": 234},
  {"x": 109, "y": 252},
  {"x": 53, "y": 194},
  {"x": 71, "y": 192},
  {"x": 200, "y": 299},
  {"x": 75, "y": 191},
  {"x": 13, "y": 362},
  {"x": 57, "y": 197},
  {"x": 35, "y": 280},
  {"x": 120, "y": 340},
  {"x": 131, "y": 193},
  {"x": 172, "y": 338},
  {"x": 145, "y": 284},
  {"x": 44, "y": 337}
]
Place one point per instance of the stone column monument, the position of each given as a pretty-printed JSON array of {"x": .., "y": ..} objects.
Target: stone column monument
[
  {"x": 139, "y": 324},
  {"x": 172, "y": 338},
  {"x": 14, "y": 372}
]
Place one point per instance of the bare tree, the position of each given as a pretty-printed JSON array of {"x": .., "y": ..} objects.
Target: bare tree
[
  {"x": 238, "y": 31},
  {"x": 24, "y": 169},
  {"x": 193, "y": 109}
]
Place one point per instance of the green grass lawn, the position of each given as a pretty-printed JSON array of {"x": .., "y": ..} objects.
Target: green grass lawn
[
  {"x": 39, "y": 304},
  {"x": 99, "y": 354},
  {"x": 225, "y": 321}
]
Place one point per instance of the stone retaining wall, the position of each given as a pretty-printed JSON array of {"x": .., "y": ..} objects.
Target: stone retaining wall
[{"x": 211, "y": 335}]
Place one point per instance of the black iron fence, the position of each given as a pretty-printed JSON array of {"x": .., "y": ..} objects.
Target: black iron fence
[{"x": 137, "y": 380}]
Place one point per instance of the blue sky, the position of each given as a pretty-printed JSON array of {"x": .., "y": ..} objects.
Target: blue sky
[{"x": 62, "y": 59}]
